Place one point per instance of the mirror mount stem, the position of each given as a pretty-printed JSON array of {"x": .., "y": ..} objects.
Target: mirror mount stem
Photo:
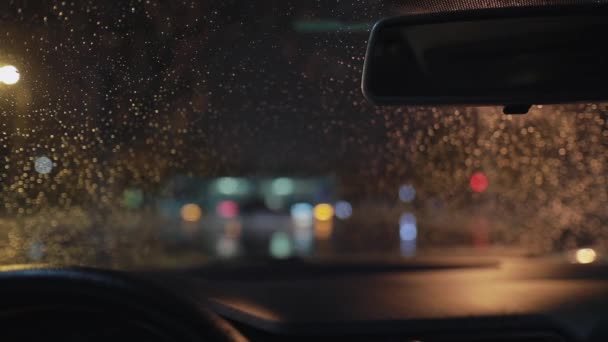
[{"x": 517, "y": 109}]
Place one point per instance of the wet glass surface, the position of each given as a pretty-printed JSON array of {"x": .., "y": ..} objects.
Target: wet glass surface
[{"x": 152, "y": 133}]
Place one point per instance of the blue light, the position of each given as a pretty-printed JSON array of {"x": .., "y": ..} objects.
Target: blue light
[
  {"x": 301, "y": 211},
  {"x": 343, "y": 210},
  {"x": 43, "y": 165},
  {"x": 302, "y": 214},
  {"x": 407, "y": 193},
  {"x": 408, "y": 248},
  {"x": 407, "y": 227}
]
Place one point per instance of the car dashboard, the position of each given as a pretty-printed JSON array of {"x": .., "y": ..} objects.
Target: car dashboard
[{"x": 517, "y": 299}]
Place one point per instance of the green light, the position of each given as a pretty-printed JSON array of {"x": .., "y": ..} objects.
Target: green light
[
  {"x": 282, "y": 186},
  {"x": 280, "y": 245},
  {"x": 132, "y": 198},
  {"x": 227, "y": 186},
  {"x": 232, "y": 186}
]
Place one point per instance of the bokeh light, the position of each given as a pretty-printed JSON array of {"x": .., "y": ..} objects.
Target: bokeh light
[
  {"x": 324, "y": 212},
  {"x": 407, "y": 248},
  {"x": 280, "y": 245},
  {"x": 407, "y": 193},
  {"x": 191, "y": 212},
  {"x": 302, "y": 214},
  {"x": 132, "y": 198},
  {"x": 282, "y": 186},
  {"x": 274, "y": 202},
  {"x": 227, "y": 247},
  {"x": 227, "y": 209},
  {"x": 303, "y": 239},
  {"x": 343, "y": 210},
  {"x": 227, "y": 185},
  {"x": 585, "y": 255},
  {"x": 43, "y": 165},
  {"x": 479, "y": 182},
  {"x": 407, "y": 227},
  {"x": 9, "y": 75}
]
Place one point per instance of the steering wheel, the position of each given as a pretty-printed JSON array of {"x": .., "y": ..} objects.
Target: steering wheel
[{"x": 76, "y": 304}]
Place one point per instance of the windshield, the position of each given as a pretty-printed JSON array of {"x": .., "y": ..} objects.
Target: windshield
[{"x": 169, "y": 133}]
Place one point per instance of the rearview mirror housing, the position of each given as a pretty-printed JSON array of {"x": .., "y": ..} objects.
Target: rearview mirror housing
[{"x": 514, "y": 57}]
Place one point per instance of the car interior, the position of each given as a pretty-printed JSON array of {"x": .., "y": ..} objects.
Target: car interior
[{"x": 517, "y": 56}]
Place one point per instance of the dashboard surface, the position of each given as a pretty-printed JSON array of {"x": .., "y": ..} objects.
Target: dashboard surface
[
  {"x": 509, "y": 299},
  {"x": 518, "y": 294}
]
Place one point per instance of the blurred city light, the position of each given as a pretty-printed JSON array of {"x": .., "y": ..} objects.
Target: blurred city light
[
  {"x": 43, "y": 165},
  {"x": 132, "y": 198},
  {"x": 479, "y": 182},
  {"x": 233, "y": 229},
  {"x": 408, "y": 248},
  {"x": 585, "y": 255},
  {"x": 303, "y": 238},
  {"x": 407, "y": 227},
  {"x": 343, "y": 210},
  {"x": 282, "y": 186},
  {"x": 274, "y": 202},
  {"x": 226, "y": 247},
  {"x": 191, "y": 212},
  {"x": 323, "y": 229},
  {"x": 227, "y": 209},
  {"x": 227, "y": 186},
  {"x": 324, "y": 212},
  {"x": 302, "y": 214},
  {"x": 280, "y": 245},
  {"x": 407, "y": 193},
  {"x": 9, "y": 75}
]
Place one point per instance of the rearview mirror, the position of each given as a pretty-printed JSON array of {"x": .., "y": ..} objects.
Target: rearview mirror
[{"x": 498, "y": 57}]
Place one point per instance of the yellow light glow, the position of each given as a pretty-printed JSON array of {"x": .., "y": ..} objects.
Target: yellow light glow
[
  {"x": 191, "y": 212},
  {"x": 324, "y": 212},
  {"x": 9, "y": 75},
  {"x": 585, "y": 256}
]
